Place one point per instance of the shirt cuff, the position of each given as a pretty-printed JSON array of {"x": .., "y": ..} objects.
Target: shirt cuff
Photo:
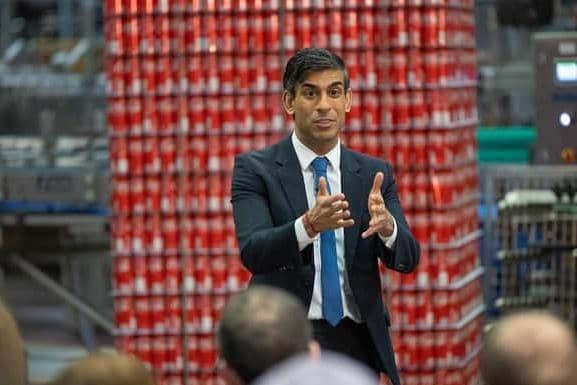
[
  {"x": 303, "y": 238},
  {"x": 390, "y": 240}
]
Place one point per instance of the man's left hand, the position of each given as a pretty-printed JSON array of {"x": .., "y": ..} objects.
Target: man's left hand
[{"x": 381, "y": 219}]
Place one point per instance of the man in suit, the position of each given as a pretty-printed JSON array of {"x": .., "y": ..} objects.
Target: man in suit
[{"x": 314, "y": 218}]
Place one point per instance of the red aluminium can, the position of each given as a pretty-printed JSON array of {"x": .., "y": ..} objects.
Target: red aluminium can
[
  {"x": 123, "y": 275},
  {"x": 272, "y": 32},
  {"x": 172, "y": 274},
  {"x": 397, "y": 28},
  {"x": 226, "y": 34},
  {"x": 414, "y": 26},
  {"x": 116, "y": 116},
  {"x": 193, "y": 359},
  {"x": 137, "y": 200},
  {"x": 148, "y": 76},
  {"x": 115, "y": 76},
  {"x": 151, "y": 155},
  {"x": 157, "y": 313},
  {"x": 140, "y": 270},
  {"x": 173, "y": 314},
  {"x": 114, "y": 36},
  {"x": 143, "y": 349},
  {"x": 191, "y": 315},
  {"x": 155, "y": 276},
  {"x": 115, "y": 7},
  {"x": 173, "y": 353},
  {"x": 120, "y": 196},
  {"x": 335, "y": 34},
  {"x": 131, "y": 36},
  {"x": 143, "y": 313},
  {"x": 167, "y": 147},
  {"x": 202, "y": 274},
  {"x": 135, "y": 155},
  {"x": 134, "y": 116},
  {"x": 170, "y": 234},
  {"x": 289, "y": 38},
  {"x": 219, "y": 274},
  {"x": 207, "y": 353},
  {"x": 124, "y": 313},
  {"x": 153, "y": 242},
  {"x": 200, "y": 199},
  {"x": 398, "y": 68},
  {"x": 120, "y": 234}
]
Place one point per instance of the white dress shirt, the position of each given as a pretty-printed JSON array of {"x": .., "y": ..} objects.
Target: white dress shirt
[{"x": 305, "y": 156}]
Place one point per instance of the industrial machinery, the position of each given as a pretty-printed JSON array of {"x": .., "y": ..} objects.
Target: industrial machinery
[{"x": 555, "y": 64}]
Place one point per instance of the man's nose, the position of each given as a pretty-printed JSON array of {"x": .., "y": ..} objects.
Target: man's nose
[{"x": 324, "y": 103}]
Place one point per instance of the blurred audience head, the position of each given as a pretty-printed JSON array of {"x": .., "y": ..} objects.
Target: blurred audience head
[
  {"x": 330, "y": 368},
  {"x": 12, "y": 356},
  {"x": 259, "y": 328},
  {"x": 529, "y": 348},
  {"x": 102, "y": 368}
]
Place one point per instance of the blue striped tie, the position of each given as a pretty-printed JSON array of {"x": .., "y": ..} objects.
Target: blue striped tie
[{"x": 331, "y": 288}]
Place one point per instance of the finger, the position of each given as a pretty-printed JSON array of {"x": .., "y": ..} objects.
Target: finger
[
  {"x": 368, "y": 232},
  {"x": 330, "y": 200},
  {"x": 377, "y": 183},
  {"x": 375, "y": 198},
  {"x": 323, "y": 186},
  {"x": 343, "y": 214},
  {"x": 340, "y": 205},
  {"x": 346, "y": 222},
  {"x": 377, "y": 209}
]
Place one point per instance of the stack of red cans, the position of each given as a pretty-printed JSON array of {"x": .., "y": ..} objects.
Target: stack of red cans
[
  {"x": 192, "y": 84},
  {"x": 429, "y": 117}
]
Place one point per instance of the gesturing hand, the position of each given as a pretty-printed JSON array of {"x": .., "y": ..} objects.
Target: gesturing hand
[
  {"x": 381, "y": 219},
  {"x": 329, "y": 211}
]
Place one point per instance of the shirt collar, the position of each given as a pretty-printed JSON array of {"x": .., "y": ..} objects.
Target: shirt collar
[{"x": 306, "y": 156}]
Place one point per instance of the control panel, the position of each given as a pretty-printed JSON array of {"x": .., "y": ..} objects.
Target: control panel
[{"x": 555, "y": 71}]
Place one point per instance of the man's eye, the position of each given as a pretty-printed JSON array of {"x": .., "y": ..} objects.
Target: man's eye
[
  {"x": 309, "y": 93},
  {"x": 335, "y": 93}
]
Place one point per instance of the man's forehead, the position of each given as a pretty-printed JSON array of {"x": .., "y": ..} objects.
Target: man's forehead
[{"x": 324, "y": 78}]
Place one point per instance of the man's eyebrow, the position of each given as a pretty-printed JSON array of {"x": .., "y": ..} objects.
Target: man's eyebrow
[{"x": 310, "y": 85}]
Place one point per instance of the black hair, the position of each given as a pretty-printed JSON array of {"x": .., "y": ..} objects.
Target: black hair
[{"x": 308, "y": 60}]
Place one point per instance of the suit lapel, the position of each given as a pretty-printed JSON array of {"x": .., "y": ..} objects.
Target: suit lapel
[
  {"x": 291, "y": 177},
  {"x": 352, "y": 187}
]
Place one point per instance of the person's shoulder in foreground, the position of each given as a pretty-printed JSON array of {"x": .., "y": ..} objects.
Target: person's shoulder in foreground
[
  {"x": 529, "y": 348},
  {"x": 329, "y": 368}
]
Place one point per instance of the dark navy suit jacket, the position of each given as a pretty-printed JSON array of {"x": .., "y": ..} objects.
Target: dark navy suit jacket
[{"x": 268, "y": 195}]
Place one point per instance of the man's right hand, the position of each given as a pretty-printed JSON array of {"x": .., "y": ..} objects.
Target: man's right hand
[{"x": 330, "y": 211}]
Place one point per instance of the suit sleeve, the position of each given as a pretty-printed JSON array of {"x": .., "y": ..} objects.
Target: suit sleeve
[
  {"x": 404, "y": 257},
  {"x": 264, "y": 247}
]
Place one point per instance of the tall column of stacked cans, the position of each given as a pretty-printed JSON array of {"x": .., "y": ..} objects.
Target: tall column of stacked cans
[
  {"x": 429, "y": 54},
  {"x": 190, "y": 84}
]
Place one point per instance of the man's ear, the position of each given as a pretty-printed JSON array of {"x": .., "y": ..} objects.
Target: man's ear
[
  {"x": 349, "y": 100},
  {"x": 288, "y": 102},
  {"x": 230, "y": 377}
]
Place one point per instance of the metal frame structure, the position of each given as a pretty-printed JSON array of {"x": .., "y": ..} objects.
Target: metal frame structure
[{"x": 527, "y": 250}]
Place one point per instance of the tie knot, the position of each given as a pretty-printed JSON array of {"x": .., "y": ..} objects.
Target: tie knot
[{"x": 320, "y": 164}]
